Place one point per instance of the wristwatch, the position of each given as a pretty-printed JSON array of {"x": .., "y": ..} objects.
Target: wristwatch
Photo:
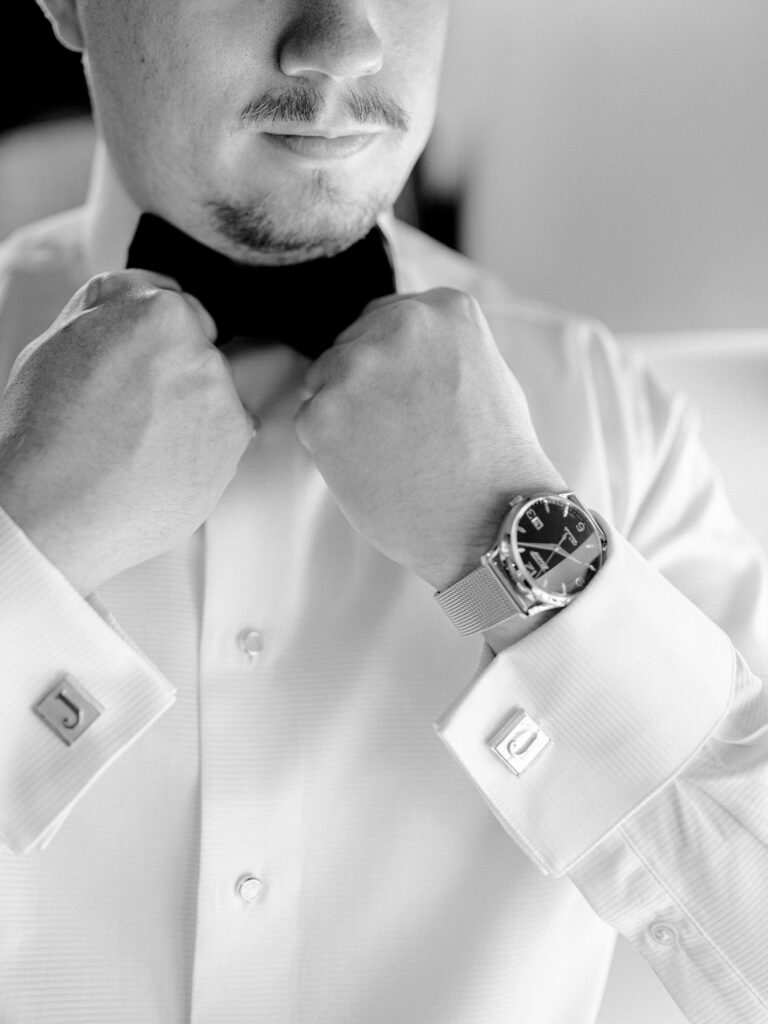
[{"x": 548, "y": 549}]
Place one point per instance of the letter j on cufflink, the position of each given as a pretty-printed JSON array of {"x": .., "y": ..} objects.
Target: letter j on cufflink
[
  {"x": 68, "y": 709},
  {"x": 519, "y": 742}
]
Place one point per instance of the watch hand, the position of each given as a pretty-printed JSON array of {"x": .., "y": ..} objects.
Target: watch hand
[
  {"x": 573, "y": 558},
  {"x": 560, "y": 551},
  {"x": 554, "y": 548},
  {"x": 546, "y": 547}
]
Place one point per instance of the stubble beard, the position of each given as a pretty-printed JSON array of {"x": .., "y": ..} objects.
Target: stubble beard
[{"x": 278, "y": 230}]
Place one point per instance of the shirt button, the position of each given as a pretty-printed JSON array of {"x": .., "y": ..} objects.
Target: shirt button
[
  {"x": 251, "y": 642},
  {"x": 663, "y": 934},
  {"x": 250, "y": 889}
]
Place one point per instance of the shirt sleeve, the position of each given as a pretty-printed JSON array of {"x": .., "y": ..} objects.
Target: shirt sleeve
[
  {"x": 50, "y": 637},
  {"x": 624, "y": 743}
]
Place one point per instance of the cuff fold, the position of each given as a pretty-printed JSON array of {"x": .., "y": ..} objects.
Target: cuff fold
[
  {"x": 627, "y": 682},
  {"x": 50, "y": 634}
]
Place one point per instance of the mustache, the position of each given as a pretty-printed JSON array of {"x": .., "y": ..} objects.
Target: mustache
[{"x": 304, "y": 105}]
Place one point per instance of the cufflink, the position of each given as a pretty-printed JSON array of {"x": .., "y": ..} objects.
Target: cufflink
[
  {"x": 519, "y": 742},
  {"x": 68, "y": 709}
]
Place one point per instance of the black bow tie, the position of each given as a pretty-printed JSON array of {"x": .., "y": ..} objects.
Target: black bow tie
[{"x": 305, "y": 305}]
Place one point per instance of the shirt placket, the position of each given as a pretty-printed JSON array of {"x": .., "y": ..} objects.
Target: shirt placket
[{"x": 250, "y": 791}]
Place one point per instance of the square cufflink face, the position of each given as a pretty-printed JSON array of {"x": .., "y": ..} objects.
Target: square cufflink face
[
  {"x": 68, "y": 709},
  {"x": 519, "y": 742}
]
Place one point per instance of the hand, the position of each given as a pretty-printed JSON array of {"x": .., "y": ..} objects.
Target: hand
[
  {"x": 422, "y": 432},
  {"x": 120, "y": 427}
]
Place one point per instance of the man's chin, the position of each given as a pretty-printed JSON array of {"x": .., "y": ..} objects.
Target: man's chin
[{"x": 261, "y": 233}]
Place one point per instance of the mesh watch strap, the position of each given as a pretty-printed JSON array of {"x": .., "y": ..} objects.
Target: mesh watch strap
[
  {"x": 477, "y": 602},
  {"x": 481, "y": 601}
]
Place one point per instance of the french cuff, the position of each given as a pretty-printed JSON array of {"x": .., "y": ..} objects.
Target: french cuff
[
  {"x": 568, "y": 731},
  {"x": 75, "y": 692}
]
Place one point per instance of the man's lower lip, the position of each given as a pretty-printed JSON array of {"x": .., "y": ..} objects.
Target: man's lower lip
[{"x": 320, "y": 148}]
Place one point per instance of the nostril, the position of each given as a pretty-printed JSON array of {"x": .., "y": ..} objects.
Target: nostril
[{"x": 333, "y": 44}]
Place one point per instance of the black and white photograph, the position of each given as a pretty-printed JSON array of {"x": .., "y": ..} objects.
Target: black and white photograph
[{"x": 383, "y": 533}]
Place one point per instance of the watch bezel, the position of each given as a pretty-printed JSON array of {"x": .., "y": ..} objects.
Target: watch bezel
[{"x": 507, "y": 563}]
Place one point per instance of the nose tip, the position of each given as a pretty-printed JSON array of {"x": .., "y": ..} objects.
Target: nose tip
[{"x": 332, "y": 39}]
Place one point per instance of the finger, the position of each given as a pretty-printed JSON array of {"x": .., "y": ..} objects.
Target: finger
[
  {"x": 316, "y": 375},
  {"x": 160, "y": 280},
  {"x": 371, "y": 309},
  {"x": 385, "y": 300},
  {"x": 300, "y": 424},
  {"x": 103, "y": 287},
  {"x": 374, "y": 307},
  {"x": 326, "y": 367},
  {"x": 207, "y": 322}
]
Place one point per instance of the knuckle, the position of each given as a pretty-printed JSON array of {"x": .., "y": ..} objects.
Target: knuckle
[
  {"x": 167, "y": 311},
  {"x": 211, "y": 366},
  {"x": 161, "y": 299},
  {"x": 407, "y": 314},
  {"x": 210, "y": 361},
  {"x": 457, "y": 301},
  {"x": 197, "y": 371},
  {"x": 101, "y": 287},
  {"x": 363, "y": 361},
  {"x": 98, "y": 282}
]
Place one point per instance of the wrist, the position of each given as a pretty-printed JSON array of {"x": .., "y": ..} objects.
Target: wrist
[
  {"x": 547, "y": 550},
  {"x": 52, "y": 540},
  {"x": 57, "y": 549},
  {"x": 481, "y": 531}
]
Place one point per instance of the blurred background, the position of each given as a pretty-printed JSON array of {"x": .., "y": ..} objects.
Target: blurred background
[
  {"x": 612, "y": 157},
  {"x": 46, "y": 136},
  {"x": 608, "y": 158}
]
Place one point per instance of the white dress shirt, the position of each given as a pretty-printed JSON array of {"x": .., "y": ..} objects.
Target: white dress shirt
[{"x": 262, "y": 826}]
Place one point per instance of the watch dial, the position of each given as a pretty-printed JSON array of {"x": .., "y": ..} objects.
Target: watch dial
[{"x": 557, "y": 546}]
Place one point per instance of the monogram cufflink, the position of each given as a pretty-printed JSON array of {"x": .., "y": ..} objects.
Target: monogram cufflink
[
  {"x": 519, "y": 742},
  {"x": 68, "y": 709}
]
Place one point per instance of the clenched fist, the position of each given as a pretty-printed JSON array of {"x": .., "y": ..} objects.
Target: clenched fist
[
  {"x": 422, "y": 432},
  {"x": 120, "y": 427}
]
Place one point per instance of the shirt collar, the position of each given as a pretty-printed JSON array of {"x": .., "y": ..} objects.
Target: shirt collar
[{"x": 111, "y": 217}]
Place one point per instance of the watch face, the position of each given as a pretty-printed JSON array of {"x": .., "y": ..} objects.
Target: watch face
[{"x": 556, "y": 545}]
